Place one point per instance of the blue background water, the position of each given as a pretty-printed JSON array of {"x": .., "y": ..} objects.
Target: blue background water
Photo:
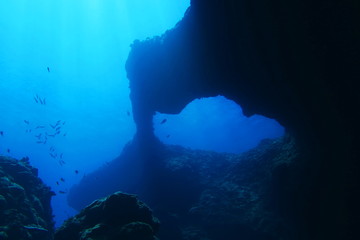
[{"x": 85, "y": 44}]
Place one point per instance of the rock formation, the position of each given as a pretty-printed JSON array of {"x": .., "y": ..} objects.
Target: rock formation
[
  {"x": 118, "y": 216},
  {"x": 207, "y": 195},
  {"x": 297, "y": 62},
  {"x": 25, "y": 211}
]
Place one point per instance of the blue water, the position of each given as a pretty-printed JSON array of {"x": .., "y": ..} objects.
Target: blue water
[{"x": 72, "y": 55}]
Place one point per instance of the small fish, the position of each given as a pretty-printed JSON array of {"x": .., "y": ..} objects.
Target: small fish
[
  {"x": 48, "y": 69},
  {"x": 58, "y": 122},
  {"x": 40, "y": 127},
  {"x": 76, "y": 172},
  {"x": 26, "y": 121},
  {"x": 62, "y": 179},
  {"x": 36, "y": 100},
  {"x": 58, "y": 132},
  {"x": 38, "y": 136},
  {"x": 50, "y": 135},
  {"x": 57, "y": 129},
  {"x": 62, "y": 192},
  {"x": 64, "y": 123},
  {"x": 8, "y": 150},
  {"x": 52, "y": 149},
  {"x": 39, "y": 142},
  {"x": 61, "y": 155},
  {"x": 64, "y": 134},
  {"x": 167, "y": 136},
  {"x": 57, "y": 183},
  {"x": 52, "y": 126},
  {"x": 53, "y": 155},
  {"x": 1, "y": 133},
  {"x": 163, "y": 121}
]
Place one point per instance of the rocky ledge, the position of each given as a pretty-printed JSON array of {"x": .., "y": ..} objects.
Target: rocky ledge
[
  {"x": 25, "y": 211},
  {"x": 203, "y": 195}
]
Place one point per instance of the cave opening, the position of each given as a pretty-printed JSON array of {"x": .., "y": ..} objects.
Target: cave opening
[{"x": 215, "y": 124}]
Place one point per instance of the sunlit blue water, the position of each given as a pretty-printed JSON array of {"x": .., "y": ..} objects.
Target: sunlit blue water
[
  {"x": 71, "y": 53},
  {"x": 216, "y": 124}
]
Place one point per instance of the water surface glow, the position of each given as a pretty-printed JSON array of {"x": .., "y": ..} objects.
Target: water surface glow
[{"x": 85, "y": 44}]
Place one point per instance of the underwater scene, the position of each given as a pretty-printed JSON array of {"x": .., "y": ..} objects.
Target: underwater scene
[{"x": 171, "y": 119}]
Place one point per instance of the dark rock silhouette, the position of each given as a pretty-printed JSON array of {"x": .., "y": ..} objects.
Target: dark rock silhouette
[
  {"x": 118, "y": 216},
  {"x": 25, "y": 211},
  {"x": 297, "y": 62}
]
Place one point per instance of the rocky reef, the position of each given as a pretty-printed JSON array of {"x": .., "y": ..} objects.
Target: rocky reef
[
  {"x": 207, "y": 195},
  {"x": 25, "y": 211},
  {"x": 297, "y": 62},
  {"x": 118, "y": 216}
]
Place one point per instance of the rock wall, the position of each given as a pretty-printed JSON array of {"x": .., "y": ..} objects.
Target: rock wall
[
  {"x": 297, "y": 62},
  {"x": 25, "y": 211}
]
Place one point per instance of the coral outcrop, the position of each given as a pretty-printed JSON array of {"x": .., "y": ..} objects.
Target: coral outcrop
[
  {"x": 25, "y": 211},
  {"x": 297, "y": 62},
  {"x": 118, "y": 216}
]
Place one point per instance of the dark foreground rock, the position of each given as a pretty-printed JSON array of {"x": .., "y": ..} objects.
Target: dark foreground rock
[
  {"x": 25, "y": 211},
  {"x": 118, "y": 216},
  {"x": 207, "y": 195}
]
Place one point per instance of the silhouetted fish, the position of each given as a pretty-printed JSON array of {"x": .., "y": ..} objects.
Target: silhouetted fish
[
  {"x": 64, "y": 134},
  {"x": 48, "y": 69},
  {"x": 53, "y": 155},
  {"x": 50, "y": 135},
  {"x": 1, "y": 133},
  {"x": 163, "y": 121},
  {"x": 39, "y": 142},
  {"x": 76, "y": 171},
  {"x": 40, "y": 127},
  {"x": 61, "y": 155},
  {"x": 62, "y": 192},
  {"x": 25, "y": 121},
  {"x": 57, "y": 183},
  {"x": 62, "y": 179},
  {"x": 57, "y": 129},
  {"x": 64, "y": 123},
  {"x": 167, "y": 136},
  {"x": 61, "y": 162},
  {"x": 36, "y": 100},
  {"x": 8, "y": 150},
  {"x": 38, "y": 136},
  {"x": 52, "y": 126}
]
